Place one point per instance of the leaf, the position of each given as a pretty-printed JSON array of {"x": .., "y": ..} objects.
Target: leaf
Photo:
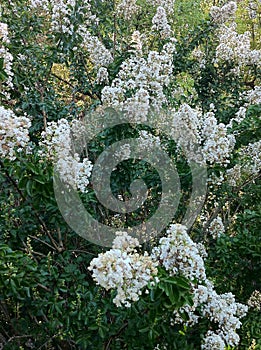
[
  {"x": 93, "y": 328},
  {"x": 29, "y": 186},
  {"x": 13, "y": 286},
  {"x": 27, "y": 290},
  {"x": 144, "y": 330}
]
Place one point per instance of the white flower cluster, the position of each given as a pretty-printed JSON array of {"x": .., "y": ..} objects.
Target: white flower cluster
[
  {"x": 217, "y": 143},
  {"x": 252, "y": 9},
  {"x": 200, "y": 294},
  {"x": 148, "y": 141},
  {"x": 98, "y": 54},
  {"x": 191, "y": 129},
  {"x": 254, "y": 96},
  {"x": 199, "y": 56},
  {"x": 215, "y": 179},
  {"x": 234, "y": 175},
  {"x": 252, "y": 154},
  {"x": 224, "y": 13},
  {"x": 160, "y": 347},
  {"x": 239, "y": 117},
  {"x": 213, "y": 341},
  {"x": 102, "y": 76},
  {"x": 216, "y": 228},
  {"x": 123, "y": 269},
  {"x": 124, "y": 152},
  {"x": 127, "y": 8},
  {"x": 236, "y": 47},
  {"x": 138, "y": 105},
  {"x": 137, "y": 41},
  {"x": 255, "y": 300},
  {"x": 226, "y": 312},
  {"x": 14, "y": 135},
  {"x": 160, "y": 23},
  {"x": 6, "y": 55},
  {"x": 39, "y": 3},
  {"x": 221, "y": 309},
  {"x": 179, "y": 254},
  {"x": 55, "y": 138},
  {"x": 186, "y": 131},
  {"x": 168, "y": 5},
  {"x": 61, "y": 12},
  {"x": 83, "y": 174},
  {"x": 4, "y": 32},
  {"x": 146, "y": 77},
  {"x": 57, "y": 146},
  {"x": 250, "y": 163}
]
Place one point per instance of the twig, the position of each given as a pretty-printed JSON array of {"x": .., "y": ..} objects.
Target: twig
[
  {"x": 81, "y": 251},
  {"x": 43, "y": 287},
  {"x": 47, "y": 342},
  {"x": 60, "y": 238},
  {"x": 107, "y": 346},
  {"x": 18, "y": 337},
  {"x": 73, "y": 87},
  {"x": 39, "y": 240},
  {"x": 63, "y": 80}
]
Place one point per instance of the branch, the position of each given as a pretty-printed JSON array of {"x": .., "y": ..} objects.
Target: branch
[
  {"x": 18, "y": 337},
  {"x": 73, "y": 87},
  {"x": 63, "y": 80}
]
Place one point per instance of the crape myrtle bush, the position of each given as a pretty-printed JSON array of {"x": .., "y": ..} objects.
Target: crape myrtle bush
[{"x": 191, "y": 288}]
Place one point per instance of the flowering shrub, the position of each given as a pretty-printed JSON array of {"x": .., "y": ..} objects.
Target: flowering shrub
[{"x": 69, "y": 68}]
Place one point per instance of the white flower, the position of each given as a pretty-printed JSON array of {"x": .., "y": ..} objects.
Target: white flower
[
  {"x": 14, "y": 133},
  {"x": 249, "y": 163},
  {"x": 102, "y": 76},
  {"x": 123, "y": 153},
  {"x": 123, "y": 269},
  {"x": 147, "y": 140},
  {"x": 127, "y": 8},
  {"x": 234, "y": 175},
  {"x": 222, "y": 310},
  {"x": 179, "y": 254},
  {"x": 57, "y": 146},
  {"x": 7, "y": 57},
  {"x": 83, "y": 174},
  {"x": 216, "y": 228},
  {"x": 99, "y": 55},
  {"x": 224, "y": 13},
  {"x": 254, "y": 96},
  {"x": 237, "y": 48},
  {"x": 168, "y": 5},
  {"x": 213, "y": 341},
  {"x": 145, "y": 78},
  {"x": 61, "y": 12},
  {"x": 160, "y": 23},
  {"x": 136, "y": 40},
  {"x": 217, "y": 144},
  {"x": 255, "y": 300}
]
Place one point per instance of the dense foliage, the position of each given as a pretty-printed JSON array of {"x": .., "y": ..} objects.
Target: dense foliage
[{"x": 64, "y": 63}]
